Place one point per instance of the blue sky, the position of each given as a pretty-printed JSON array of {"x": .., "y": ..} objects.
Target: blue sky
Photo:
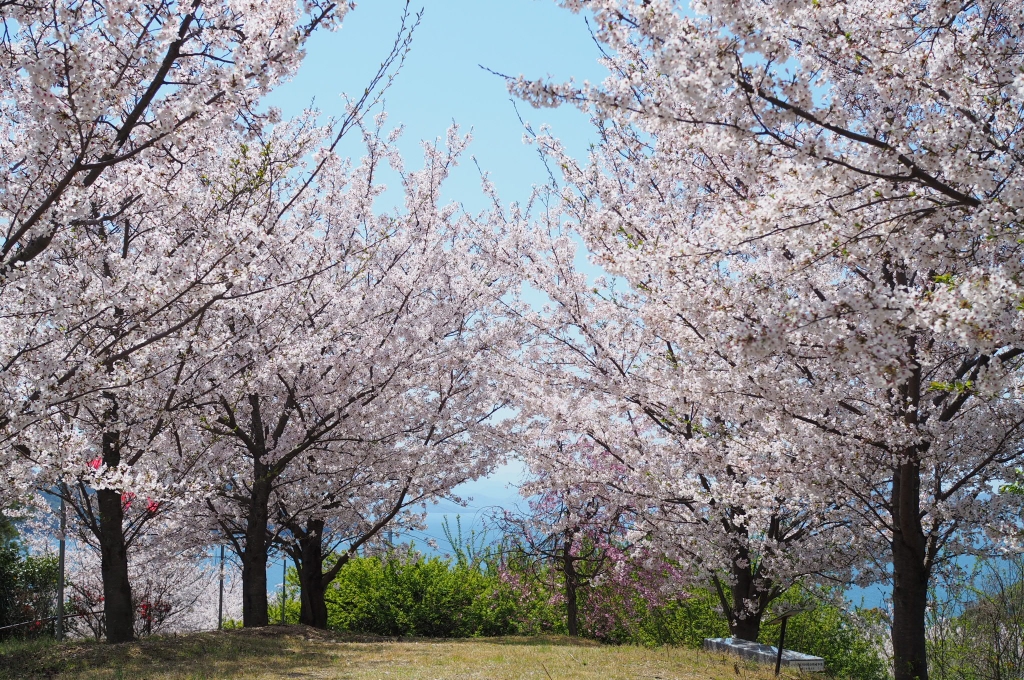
[{"x": 442, "y": 82}]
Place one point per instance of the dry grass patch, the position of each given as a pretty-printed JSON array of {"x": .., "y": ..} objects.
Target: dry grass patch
[{"x": 280, "y": 652}]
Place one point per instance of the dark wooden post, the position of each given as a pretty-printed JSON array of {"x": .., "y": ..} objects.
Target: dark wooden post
[
  {"x": 782, "y": 641},
  {"x": 220, "y": 595},
  {"x": 60, "y": 567},
  {"x": 783, "y": 618}
]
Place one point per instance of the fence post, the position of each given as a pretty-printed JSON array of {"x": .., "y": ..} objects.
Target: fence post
[
  {"x": 60, "y": 570},
  {"x": 284, "y": 584},
  {"x": 220, "y": 597}
]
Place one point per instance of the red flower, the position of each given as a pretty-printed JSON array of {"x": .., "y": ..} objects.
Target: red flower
[
  {"x": 152, "y": 506},
  {"x": 126, "y": 499},
  {"x": 95, "y": 463}
]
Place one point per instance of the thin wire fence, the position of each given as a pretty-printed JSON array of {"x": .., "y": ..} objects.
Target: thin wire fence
[{"x": 48, "y": 618}]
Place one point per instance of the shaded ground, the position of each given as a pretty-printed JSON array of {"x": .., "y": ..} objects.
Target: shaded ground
[{"x": 279, "y": 652}]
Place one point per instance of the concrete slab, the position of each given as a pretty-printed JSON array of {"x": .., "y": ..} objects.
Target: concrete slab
[{"x": 765, "y": 653}]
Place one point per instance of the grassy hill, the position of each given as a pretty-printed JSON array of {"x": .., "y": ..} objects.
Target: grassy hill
[{"x": 301, "y": 652}]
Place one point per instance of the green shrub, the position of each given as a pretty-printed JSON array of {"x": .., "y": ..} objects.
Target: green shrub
[
  {"x": 236, "y": 624},
  {"x": 684, "y": 621},
  {"x": 844, "y": 639},
  {"x": 28, "y": 589},
  {"x": 409, "y": 594},
  {"x": 976, "y": 622}
]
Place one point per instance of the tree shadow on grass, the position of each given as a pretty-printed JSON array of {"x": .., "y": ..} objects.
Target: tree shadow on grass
[
  {"x": 200, "y": 654},
  {"x": 279, "y": 650}
]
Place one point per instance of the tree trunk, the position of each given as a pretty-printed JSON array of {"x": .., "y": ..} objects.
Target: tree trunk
[
  {"x": 313, "y": 610},
  {"x": 572, "y": 615},
  {"x": 744, "y": 624},
  {"x": 750, "y": 588},
  {"x": 310, "y": 566},
  {"x": 117, "y": 589},
  {"x": 255, "y": 612},
  {"x": 747, "y": 628},
  {"x": 911, "y": 575}
]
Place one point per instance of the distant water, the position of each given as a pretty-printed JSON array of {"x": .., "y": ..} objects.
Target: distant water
[{"x": 484, "y": 497}]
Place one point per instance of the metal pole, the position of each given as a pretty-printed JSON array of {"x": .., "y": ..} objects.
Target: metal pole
[
  {"x": 284, "y": 584},
  {"x": 220, "y": 598},
  {"x": 60, "y": 571},
  {"x": 782, "y": 641}
]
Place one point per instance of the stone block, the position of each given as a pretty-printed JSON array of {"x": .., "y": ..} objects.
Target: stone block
[{"x": 765, "y": 653}]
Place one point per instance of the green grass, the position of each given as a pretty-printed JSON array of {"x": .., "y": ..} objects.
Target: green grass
[{"x": 301, "y": 652}]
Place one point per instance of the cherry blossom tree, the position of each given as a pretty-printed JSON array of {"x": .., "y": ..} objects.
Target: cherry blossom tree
[
  {"x": 365, "y": 387},
  {"x": 112, "y": 435},
  {"x": 96, "y": 92},
  {"x": 105, "y": 312},
  {"x": 169, "y": 575},
  {"x": 735, "y": 506},
  {"x": 103, "y": 105},
  {"x": 370, "y": 490},
  {"x": 821, "y": 199},
  {"x": 572, "y": 531},
  {"x": 319, "y": 547}
]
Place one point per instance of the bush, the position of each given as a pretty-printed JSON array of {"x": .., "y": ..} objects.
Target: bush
[
  {"x": 483, "y": 592},
  {"x": 684, "y": 621},
  {"x": 409, "y": 594},
  {"x": 28, "y": 592},
  {"x": 846, "y": 640},
  {"x": 976, "y": 629}
]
